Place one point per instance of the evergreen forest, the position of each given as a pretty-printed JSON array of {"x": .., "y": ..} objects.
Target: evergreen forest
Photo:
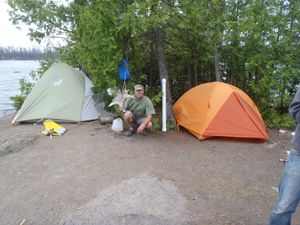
[
  {"x": 13, "y": 53},
  {"x": 252, "y": 44}
]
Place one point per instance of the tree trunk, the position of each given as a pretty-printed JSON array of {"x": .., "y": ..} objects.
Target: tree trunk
[
  {"x": 163, "y": 72},
  {"x": 217, "y": 63},
  {"x": 152, "y": 60},
  {"x": 194, "y": 57},
  {"x": 195, "y": 73},
  {"x": 189, "y": 76}
]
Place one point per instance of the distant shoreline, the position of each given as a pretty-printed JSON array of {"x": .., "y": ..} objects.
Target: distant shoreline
[
  {"x": 12, "y": 53},
  {"x": 20, "y": 59}
]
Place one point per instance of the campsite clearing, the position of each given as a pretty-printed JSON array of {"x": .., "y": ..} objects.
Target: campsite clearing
[{"x": 164, "y": 178}]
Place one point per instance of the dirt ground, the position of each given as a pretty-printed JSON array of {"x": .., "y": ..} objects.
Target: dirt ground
[{"x": 93, "y": 175}]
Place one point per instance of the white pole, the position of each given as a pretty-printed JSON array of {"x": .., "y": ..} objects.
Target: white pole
[{"x": 164, "y": 105}]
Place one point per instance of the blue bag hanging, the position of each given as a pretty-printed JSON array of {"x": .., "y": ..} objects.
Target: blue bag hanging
[{"x": 124, "y": 73}]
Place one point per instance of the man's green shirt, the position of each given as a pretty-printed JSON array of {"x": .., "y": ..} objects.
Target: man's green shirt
[{"x": 141, "y": 108}]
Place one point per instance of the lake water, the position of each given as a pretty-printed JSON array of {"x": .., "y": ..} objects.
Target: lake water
[{"x": 11, "y": 71}]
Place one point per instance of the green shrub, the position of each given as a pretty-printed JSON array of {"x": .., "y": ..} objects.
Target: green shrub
[
  {"x": 155, "y": 124},
  {"x": 274, "y": 119},
  {"x": 17, "y": 101},
  {"x": 25, "y": 88},
  {"x": 156, "y": 99}
]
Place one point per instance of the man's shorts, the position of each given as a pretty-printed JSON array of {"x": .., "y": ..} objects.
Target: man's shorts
[{"x": 139, "y": 120}]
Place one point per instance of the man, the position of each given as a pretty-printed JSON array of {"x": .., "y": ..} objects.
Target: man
[
  {"x": 138, "y": 110},
  {"x": 289, "y": 186}
]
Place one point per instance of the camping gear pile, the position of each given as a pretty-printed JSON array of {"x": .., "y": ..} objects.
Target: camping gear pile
[{"x": 53, "y": 129}]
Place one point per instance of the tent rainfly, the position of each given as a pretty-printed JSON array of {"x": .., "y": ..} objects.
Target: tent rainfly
[
  {"x": 218, "y": 109},
  {"x": 62, "y": 94}
]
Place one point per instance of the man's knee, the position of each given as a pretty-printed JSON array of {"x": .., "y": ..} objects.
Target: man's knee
[{"x": 128, "y": 116}]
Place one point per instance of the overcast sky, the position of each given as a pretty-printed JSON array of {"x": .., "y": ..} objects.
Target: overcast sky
[{"x": 10, "y": 35}]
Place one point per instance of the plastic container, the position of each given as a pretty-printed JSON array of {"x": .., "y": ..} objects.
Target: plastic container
[{"x": 117, "y": 125}]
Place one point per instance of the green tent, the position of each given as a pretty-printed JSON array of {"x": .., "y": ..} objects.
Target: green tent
[{"x": 62, "y": 94}]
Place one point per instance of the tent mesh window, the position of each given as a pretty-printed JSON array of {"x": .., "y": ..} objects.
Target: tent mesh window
[{"x": 102, "y": 100}]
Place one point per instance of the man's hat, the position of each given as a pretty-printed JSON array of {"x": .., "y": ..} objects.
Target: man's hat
[{"x": 138, "y": 87}]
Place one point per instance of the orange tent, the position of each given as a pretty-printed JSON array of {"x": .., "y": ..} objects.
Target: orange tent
[{"x": 219, "y": 109}]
